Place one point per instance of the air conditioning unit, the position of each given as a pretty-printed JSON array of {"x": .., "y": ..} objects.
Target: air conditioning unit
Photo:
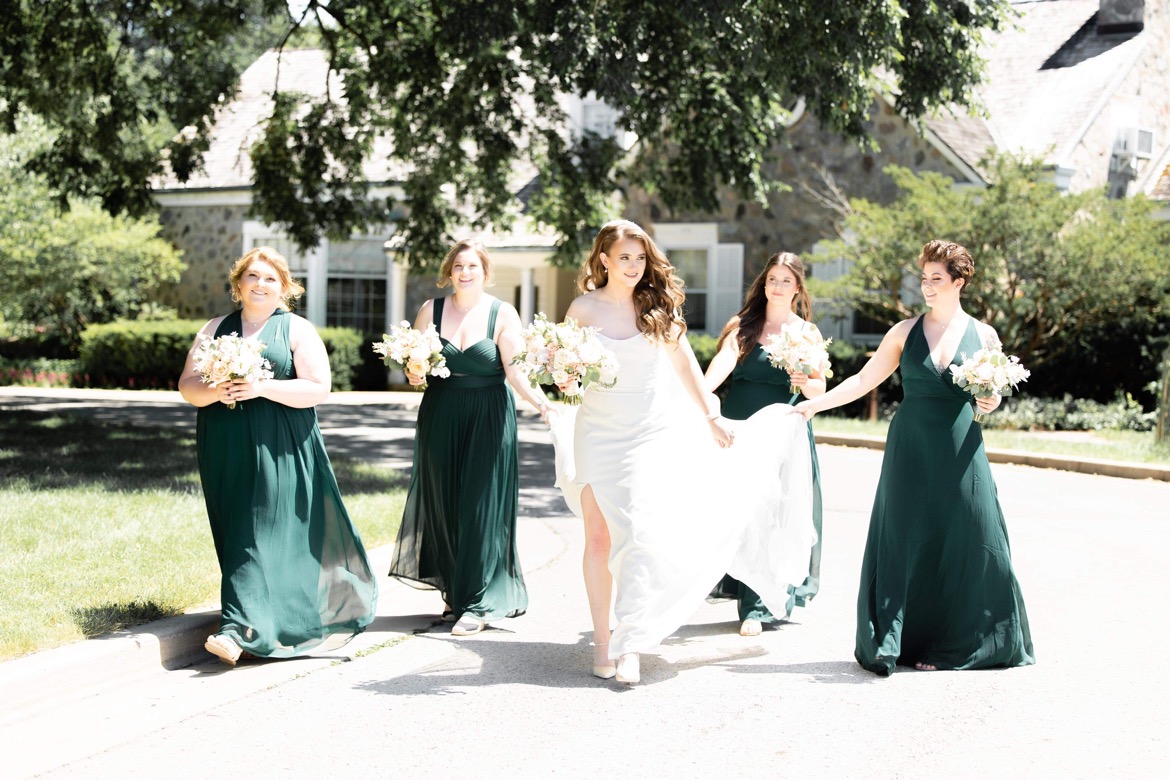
[{"x": 1132, "y": 142}]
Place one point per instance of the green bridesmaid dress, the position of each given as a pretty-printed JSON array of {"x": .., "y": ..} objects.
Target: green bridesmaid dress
[
  {"x": 756, "y": 383},
  {"x": 458, "y": 531},
  {"x": 295, "y": 574},
  {"x": 937, "y": 585}
]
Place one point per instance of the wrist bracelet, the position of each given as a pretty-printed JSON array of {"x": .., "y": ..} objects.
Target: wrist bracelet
[{"x": 711, "y": 417}]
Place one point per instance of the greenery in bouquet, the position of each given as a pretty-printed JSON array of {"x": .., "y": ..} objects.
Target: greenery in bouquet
[
  {"x": 989, "y": 372},
  {"x": 800, "y": 348},
  {"x": 566, "y": 355},
  {"x": 416, "y": 352},
  {"x": 230, "y": 358}
]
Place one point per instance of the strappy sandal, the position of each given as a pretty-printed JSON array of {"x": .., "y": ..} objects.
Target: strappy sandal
[{"x": 223, "y": 648}]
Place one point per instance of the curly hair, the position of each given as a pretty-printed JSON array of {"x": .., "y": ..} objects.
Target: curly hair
[
  {"x": 290, "y": 288},
  {"x": 658, "y": 296},
  {"x": 954, "y": 256},
  {"x": 751, "y": 318}
]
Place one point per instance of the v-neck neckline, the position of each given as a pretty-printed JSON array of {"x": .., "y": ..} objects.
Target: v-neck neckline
[{"x": 941, "y": 370}]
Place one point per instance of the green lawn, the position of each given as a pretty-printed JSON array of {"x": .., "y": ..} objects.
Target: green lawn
[
  {"x": 1107, "y": 445},
  {"x": 103, "y": 526}
]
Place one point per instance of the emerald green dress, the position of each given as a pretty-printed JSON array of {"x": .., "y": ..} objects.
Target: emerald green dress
[
  {"x": 937, "y": 585},
  {"x": 756, "y": 383},
  {"x": 458, "y": 531},
  {"x": 295, "y": 573}
]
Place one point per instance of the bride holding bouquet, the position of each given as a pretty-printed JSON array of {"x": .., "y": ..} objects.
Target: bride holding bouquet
[{"x": 638, "y": 461}]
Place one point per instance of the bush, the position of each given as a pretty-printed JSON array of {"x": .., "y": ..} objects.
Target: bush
[
  {"x": 703, "y": 346},
  {"x": 39, "y": 372},
  {"x": 150, "y": 354},
  {"x": 1071, "y": 414}
]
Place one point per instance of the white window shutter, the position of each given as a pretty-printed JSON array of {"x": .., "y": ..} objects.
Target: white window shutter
[{"x": 725, "y": 292}]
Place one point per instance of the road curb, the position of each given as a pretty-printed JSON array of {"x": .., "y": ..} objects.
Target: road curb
[{"x": 1097, "y": 466}]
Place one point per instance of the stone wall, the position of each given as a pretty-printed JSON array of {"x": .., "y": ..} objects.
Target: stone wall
[
  {"x": 211, "y": 238},
  {"x": 794, "y": 221}
]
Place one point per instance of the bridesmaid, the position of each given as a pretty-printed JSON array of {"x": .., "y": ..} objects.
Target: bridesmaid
[
  {"x": 778, "y": 297},
  {"x": 295, "y": 574},
  {"x": 458, "y": 531},
  {"x": 937, "y": 586}
]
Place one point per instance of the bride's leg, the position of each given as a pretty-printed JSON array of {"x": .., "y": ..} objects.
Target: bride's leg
[{"x": 598, "y": 580}]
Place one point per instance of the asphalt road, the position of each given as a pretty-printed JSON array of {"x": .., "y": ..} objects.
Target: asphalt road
[{"x": 1091, "y": 554}]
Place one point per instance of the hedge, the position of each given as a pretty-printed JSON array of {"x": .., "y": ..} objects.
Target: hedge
[
  {"x": 150, "y": 354},
  {"x": 39, "y": 372}
]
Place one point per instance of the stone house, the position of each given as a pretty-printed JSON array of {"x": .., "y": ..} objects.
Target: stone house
[{"x": 1082, "y": 84}]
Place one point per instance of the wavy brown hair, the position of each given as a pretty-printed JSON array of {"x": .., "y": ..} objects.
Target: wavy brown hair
[
  {"x": 658, "y": 296},
  {"x": 751, "y": 318},
  {"x": 290, "y": 288}
]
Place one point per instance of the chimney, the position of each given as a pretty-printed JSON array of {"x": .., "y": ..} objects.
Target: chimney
[{"x": 1121, "y": 16}]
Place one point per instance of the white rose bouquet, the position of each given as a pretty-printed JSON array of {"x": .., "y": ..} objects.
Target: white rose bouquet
[
  {"x": 566, "y": 355},
  {"x": 230, "y": 357},
  {"x": 799, "y": 348},
  {"x": 417, "y": 352},
  {"x": 989, "y": 372}
]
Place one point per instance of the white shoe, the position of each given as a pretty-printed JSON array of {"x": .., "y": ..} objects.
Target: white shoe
[
  {"x": 751, "y": 627},
  {"x": 467, "y": 625},
  {"x": 629, "y": 669}
]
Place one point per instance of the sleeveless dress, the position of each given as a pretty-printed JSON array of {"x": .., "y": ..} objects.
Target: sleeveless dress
[
  {"x": 650, "y": 460},
  {"x": 756, "y": 383},
  {"x": 937, "y": 584},
  {"x": 295, "y": 573},
  {"x": 458, "y": 531}
]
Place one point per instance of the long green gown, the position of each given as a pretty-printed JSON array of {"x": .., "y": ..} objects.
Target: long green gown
[
  {"x": 937, "y": 585},
  {"x": 295, "y": 573},
  {"x": 458, "y": 531},
  {"x": 756, "y": 383}
]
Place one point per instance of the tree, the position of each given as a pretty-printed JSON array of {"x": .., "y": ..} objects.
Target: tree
[
  {"x": 470, "y": 94},
  {"x": 66, "y": 271},
  {"x": 1074, "y": 284}
]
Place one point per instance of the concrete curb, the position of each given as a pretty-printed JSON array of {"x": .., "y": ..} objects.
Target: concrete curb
[{"x": 1098, "y": 466}]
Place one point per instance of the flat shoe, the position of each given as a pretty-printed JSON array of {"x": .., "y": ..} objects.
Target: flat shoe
[
  {"x": 467, "y": 625},
  {"x": 223, "y": 648},
  {"x": 751, "y": 627}
]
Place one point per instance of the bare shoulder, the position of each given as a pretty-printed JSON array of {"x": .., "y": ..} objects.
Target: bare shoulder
[
  {"x": 987, "y": 334},
  {"x": 901, "y": 330},
  {"x": 583, "y": 308},
  {"x": 300, "y": 329}
]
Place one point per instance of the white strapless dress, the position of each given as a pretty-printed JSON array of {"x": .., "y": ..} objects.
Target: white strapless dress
[{"x": 681, "y": 511}]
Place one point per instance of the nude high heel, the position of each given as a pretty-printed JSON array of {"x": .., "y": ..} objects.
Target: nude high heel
[{"x": 604, "y": 672}]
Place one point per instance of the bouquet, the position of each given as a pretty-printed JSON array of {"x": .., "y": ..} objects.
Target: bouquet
[
  {"x": 567, "y": 355},
  {"x": 989, "y": 372},
  {"x": 418, "y": 352},
  {"x": 799, "y": 348},
  {"x": 230, "y": 357}
]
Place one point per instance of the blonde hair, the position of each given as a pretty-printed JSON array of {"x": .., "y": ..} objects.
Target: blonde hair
[
  {"x": 449, "y": 262},
  {"x": 658, "y": 296},
  {"x": 290, "y": 288}
]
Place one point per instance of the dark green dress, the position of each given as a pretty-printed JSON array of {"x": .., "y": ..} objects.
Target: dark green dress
[
  {"x": 295, "y": 574},
  {"x": 937, "y": 585},
  {"x": 756, "y": 383},
  {"x": 458, "y": 530}
]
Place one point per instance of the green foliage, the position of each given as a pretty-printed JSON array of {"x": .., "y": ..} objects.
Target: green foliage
[
  {"x": 39, "y": 372},
  {"x": 65, "y": 271},
  {"x": 136, "y": 354},
  {"x": 344, "y": 347},
  {"x": 704, "y": 347},
  {"x": 469, "y": 94},
  {"x": 1071, "y": 414},
  {"x": 151, "y": 353},
  {"x": 1162, "y": 429},
  {"x": 1074, "y": 284}
]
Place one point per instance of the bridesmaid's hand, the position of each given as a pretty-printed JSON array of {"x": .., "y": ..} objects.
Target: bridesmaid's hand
[
  {"x": 723, "y": 435},
  {"x": 988, "y": 405},
  {"x": 414, "y": 379},
  {"x": 804, "y": 409},
  {"x": 238, "y": 390},
  {"x": 797, "y": 379}
]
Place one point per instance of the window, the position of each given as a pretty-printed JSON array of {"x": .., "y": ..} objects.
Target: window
[
  {"x": 691, "y": 266},
  {"x": 356, "y": 303}
]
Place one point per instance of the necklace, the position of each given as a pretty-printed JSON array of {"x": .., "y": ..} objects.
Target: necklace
[{"x": 459, "y": 308}]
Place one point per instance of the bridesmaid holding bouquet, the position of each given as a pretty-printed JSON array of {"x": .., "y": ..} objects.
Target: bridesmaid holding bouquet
[{"x": 937, "y": 586}]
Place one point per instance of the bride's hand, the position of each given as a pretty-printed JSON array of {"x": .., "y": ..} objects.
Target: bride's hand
[
  {"x": 723, "y": 435},
  {"x": 804, "y": 409}
]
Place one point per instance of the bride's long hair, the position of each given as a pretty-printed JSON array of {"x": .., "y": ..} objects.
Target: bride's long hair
[{"x": 658, "y": 296}]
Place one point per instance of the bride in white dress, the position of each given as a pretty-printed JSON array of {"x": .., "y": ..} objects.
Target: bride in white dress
[{"x": 669, "y": 507}]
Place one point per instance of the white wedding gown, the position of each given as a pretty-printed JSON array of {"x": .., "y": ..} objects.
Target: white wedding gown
[{"x": 682, "y": 512}]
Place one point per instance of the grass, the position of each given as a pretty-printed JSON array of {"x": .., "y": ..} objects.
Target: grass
[
  {"x": 1132, "y": 446},
  {"x": 103, "y": 526}
]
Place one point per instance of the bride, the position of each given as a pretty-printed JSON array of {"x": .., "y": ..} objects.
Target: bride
[{"x": 638, "y": 467}]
